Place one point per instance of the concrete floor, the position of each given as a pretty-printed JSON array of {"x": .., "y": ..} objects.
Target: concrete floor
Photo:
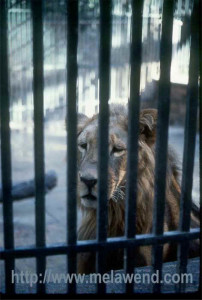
[{"x": 116, "y": 287}]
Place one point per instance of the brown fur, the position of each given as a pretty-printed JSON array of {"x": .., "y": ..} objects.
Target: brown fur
[{"x": 117, "y": 189}]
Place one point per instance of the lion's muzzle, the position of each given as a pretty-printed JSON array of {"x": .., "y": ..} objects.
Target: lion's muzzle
[{"x": 88, "y": 192}]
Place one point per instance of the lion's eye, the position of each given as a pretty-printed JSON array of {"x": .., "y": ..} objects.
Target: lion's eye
[
  {"x": 118, "y": 151},
  {"x": 83, "y": 147}
]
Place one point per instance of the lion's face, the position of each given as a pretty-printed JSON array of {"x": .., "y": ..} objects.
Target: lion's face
[{"x": 88, "y": 159}]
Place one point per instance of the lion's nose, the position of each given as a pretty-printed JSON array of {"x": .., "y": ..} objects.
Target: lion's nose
[{"x": 90, "y": 182}]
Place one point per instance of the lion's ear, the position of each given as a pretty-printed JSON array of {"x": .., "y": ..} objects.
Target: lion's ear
[
  {"x": 81, "y": 120},
  {"x": 148, "y": 122}
]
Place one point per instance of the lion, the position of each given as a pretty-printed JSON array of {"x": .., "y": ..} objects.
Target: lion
[{"x": 87, "y": 188}]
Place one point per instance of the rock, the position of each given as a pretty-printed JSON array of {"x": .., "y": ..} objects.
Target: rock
[{"x": 26, "y": 189}]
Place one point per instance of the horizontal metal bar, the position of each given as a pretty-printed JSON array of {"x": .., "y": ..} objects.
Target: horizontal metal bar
[
  {"x": 38, "y": 86},
  {"x": 72, "y": 70},
  {"x": 189, "y": 141},
  {"x": 110, "y": 243},
  {"x": 133, "y": 133},
  {"x": 162, "y": 133},
  {"x": 5, "y": 145},
  {"x": 103, "y": 132}
]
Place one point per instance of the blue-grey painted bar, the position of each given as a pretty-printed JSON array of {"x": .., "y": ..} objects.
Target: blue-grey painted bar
[
  {"x": 162, "y": 132},
  {"x": 110, "y": 243},
  {"x": 38, "y": 85},
  {"x": 5, "y": 145},
  {"x": 133, "y": 132},
  {"x": 104, "y": 94},
  {"x": 72, "y": 41},
  {"x": 200, "y": 133},
  {"x": 189, "y": 141}
]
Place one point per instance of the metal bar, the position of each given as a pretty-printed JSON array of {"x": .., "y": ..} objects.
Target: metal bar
[
  {"x": 133, "y": 133},
  {"x": 200, "y": 132},
  {"x": 110, "y": 243},
  {"x": 38, "y": 85},
  {"x": 103, "y": 131},
  {"x": 190, "y": 139},
  {"x": 72, "y": 23},
  {"x": 5, "y": 146},
  {"x": 162, "y": 132}
]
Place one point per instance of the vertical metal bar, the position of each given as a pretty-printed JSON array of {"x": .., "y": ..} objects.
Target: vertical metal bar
[
  {"x": 162, "y": 133},
  {"x": 72, "y": 71},
  {"x": 190, "y": 139},
  {"x": 104, "y": 94},
  {"x": 5, "y": 146},
  {"x": 200, "y": 133},
  {"x": 38, "y": 85},
  {"x": 133, "y": 133}
]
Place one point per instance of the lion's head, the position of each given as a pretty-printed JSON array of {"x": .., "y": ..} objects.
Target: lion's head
[{"x": 88, "y": 153}]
